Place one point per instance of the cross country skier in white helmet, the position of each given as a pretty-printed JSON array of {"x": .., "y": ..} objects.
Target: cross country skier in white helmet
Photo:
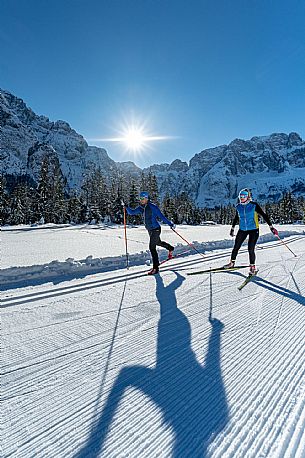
[{"x": 246, "y": 216}]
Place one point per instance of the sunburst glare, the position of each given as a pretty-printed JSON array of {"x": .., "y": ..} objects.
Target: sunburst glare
[{"x": 135, "y": 138}]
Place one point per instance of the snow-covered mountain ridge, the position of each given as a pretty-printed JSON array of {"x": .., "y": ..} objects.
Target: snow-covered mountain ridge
[
  {"x": 25, "y": 138},
  {"x": 270, "y": 165}
]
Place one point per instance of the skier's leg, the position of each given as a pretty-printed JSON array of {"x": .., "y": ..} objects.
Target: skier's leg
[
  {"x": 153, "y": 242},
  {"x": 253, "y": 237},
  {"x": 165, "y": 245},
  {"x": 240, "y": 238}
]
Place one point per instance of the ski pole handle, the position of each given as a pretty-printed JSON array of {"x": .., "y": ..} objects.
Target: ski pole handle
[{"x": 192, "y": 246}]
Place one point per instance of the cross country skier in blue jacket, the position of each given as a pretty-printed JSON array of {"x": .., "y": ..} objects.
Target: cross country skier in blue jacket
[
  {"x": 151, "y": 214},
  {"x": 246, "y": 215}
]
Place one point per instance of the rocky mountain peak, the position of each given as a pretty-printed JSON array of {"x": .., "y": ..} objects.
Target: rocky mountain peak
[
  {"x": 179, "y": 166},
  {"x": 270, "y": 165}
]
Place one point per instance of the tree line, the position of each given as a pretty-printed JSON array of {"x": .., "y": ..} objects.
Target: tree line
[{"x": 22, "y": 201}]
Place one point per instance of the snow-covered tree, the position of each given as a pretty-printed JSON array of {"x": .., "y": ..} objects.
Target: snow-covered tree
[
  {"x": 59, "y": 205},
  {"x": 44, "y": 201},
  {"x": 133, "y": 201},
  {"x": 4, "y": 202},
  {"x": 152, "y": 188},
  {"x": 169, "y": 208}
]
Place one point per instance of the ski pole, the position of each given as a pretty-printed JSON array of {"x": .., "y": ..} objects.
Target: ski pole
[
  {"x": 211, "y": 297},
  {"x": 286, "y": 245},
  {"x": 192, "y": 246},
  {"x": 125, "y": 234}
]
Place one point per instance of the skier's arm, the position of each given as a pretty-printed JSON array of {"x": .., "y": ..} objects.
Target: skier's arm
[
  {"x": 134, "y": 211},
  {"x": 261, "y": 212},
  {"x": 163, "y": 218},
  {"x": 235, "y": 220}
]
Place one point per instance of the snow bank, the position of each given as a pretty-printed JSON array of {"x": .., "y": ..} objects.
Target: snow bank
[{"x": 89, "y": 265}]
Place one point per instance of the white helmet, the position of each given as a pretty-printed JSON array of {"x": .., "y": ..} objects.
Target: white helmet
[{"x": 244, "y": 196}]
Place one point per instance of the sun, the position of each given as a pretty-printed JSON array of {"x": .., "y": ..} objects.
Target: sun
[{"x": 134, "y": 139}]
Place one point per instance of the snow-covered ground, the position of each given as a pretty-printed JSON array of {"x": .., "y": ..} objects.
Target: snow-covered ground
[
  {"x": 25, "y": 245},
  {"x": 117, "y": 364},
  {"x": 48, "y": 252}
]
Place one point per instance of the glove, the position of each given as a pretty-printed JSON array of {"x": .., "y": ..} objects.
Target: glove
[
  {"x": 274, "y": 231},
  {"x": 122, "y": 203},
  {"x": 173, "y": 226},
  {"x": 232, "y": 232}
]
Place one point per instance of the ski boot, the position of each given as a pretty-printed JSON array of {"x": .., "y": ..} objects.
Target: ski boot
[
  {"x": 252, "y": 270},
  {"x": 153, "y": 271},
  {"x": 170, "y": 253}
]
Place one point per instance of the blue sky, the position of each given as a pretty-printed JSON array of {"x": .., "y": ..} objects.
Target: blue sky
[{"x": 204, "y": 72}]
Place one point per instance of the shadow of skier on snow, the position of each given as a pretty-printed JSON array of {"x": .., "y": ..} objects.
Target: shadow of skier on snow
[
  {"x": 289, "y": 294},
  {"x": 190, "y": 396}
]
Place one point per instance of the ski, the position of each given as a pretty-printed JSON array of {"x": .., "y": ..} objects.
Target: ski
[
  {"x": 163, "y": 262},
  {"x": 167, "y": 259},
  {"x": 179, "y": 255},
  {"x": 247, "y": 280},
  {"x": 217, "y": 269}
]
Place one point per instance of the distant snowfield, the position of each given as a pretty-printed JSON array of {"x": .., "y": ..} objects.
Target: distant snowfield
[
  {"x": 25, "y": 245},
  {"x": 116, "y": 364},
  {"x": 48, "y": 252}
]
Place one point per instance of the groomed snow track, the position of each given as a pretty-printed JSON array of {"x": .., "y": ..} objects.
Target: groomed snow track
[{"x": 124, "y": 365}]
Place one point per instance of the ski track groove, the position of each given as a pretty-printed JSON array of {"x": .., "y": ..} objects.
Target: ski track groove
[
  {"x": 63, "y": 349},
  {"x": 62, "y": 422},
  {"x": 288, "y": 370},
  {"x": 295, "y": 434},
  {"x": 274, "y": 366}
]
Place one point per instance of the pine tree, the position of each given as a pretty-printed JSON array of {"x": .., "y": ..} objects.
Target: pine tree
[
  {"x": 169, "y": 208},
  {"x": 116, "y": 209},
  {"x": 59, "y": 210},
  {"x": 184, "y": 209},
  {"x": 230, "y": 213},
  {"x": 143, "y": 182},
  {"x": 98, "y": 195},
  {"x": 222, "y": 214},
  {"x": 134, "y": 202},
  {"x": 299, "y": 208},
  {"x": 86, "y": 189},
  {"x": 17, "y": 215},
  {"x": 4, "y": 202},
  {"x": 43, "y": 204},
  {"x": 102, "y": 194},
  {"x": 152, "y": 188},
  {"x": 20, "y": 204},
  {"x": 74, "y": 207},
  {"x": 287, "y": 208},
  {"x": 93, "y": 195}
]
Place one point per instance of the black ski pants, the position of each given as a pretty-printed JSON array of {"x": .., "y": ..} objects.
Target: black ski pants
[
  {"x": 240, "y": 238},
  {"x": 155, "y": 241}
]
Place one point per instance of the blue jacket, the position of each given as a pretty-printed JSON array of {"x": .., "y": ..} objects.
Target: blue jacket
[
  {"x": 151, "y": 213},
  {"x": 248, "y": 216}
]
